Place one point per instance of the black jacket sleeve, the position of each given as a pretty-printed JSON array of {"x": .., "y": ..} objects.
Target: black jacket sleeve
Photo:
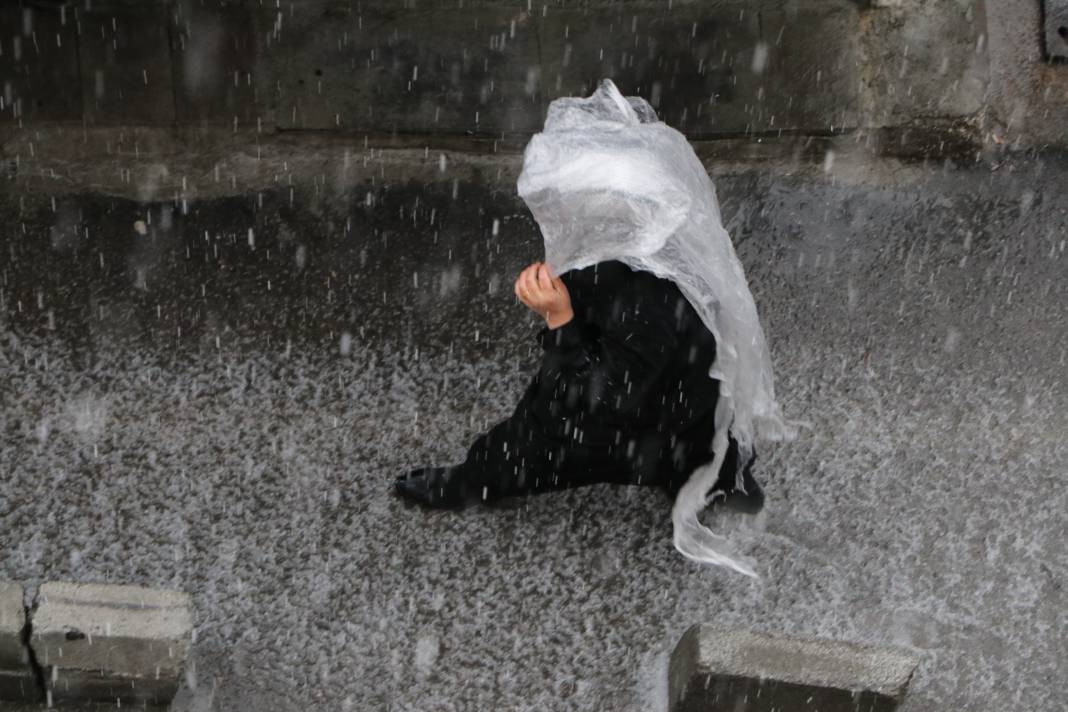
[
  {"x": 610, "y": 363},
  {"x": 568, "y": 348}
]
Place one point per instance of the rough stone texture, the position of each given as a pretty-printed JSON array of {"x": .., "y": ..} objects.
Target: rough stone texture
[
  {"x": 12, "y": 623},
  {"x": 110, "y": 642},
  {"x": 713, "y": 68},
  {"x": 214, "y": 58},
  {"x": 493, "y": 67},
  {"x": 225, "y": 418},
  {"x": 1028, "y": 95},
  {"x": 388, "y": 66},
  {"x": 38, "y": 64},
  {"x": 125, "y": 63},
  {"x": 18, "y": 685},
  {"x": 490, "y": 68},
  {"x": 924, "y": 61},
  {"x": 1055, "y": 28},
  {"x": 17, "y": 679},
  {"x": 714, "y": 668},
  {"x": 94, "y": 688},
  {"x": 149, "y": 164}
]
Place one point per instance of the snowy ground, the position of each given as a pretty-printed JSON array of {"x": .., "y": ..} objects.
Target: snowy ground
[{"x": 223, "y": 414}]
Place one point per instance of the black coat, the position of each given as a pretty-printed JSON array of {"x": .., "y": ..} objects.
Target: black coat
[
  {"x": 622, "y": 394},
  {"x": 635, "y": 357}
]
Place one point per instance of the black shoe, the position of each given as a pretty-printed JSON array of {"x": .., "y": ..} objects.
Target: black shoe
[{"x": 435, "y": 487}]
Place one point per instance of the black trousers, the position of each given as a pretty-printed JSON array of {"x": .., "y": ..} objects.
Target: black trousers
[{"x": 521, "y": 456}]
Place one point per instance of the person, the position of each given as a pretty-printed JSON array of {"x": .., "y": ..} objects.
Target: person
[
  {"x": 656, "y": 369},
  {"x": 622, "y": 396}
]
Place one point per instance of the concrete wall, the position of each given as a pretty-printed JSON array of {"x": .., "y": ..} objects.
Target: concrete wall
[
  {"x": 489, "y": 67},
  {"x": 1027, "y": 98}
]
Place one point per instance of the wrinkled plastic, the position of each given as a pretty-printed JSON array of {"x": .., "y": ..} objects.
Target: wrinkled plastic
[{"x": 606, "y": 180}]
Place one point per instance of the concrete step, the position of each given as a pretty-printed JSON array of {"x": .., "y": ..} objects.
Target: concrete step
[
  {"x": 716, "y": 669},
  {"x": 111, "y": 643}
]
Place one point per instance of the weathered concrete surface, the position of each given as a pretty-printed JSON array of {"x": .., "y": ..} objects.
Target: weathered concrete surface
[
  {"x": 492, "y": 67},
  {"x": 224, "y": 418},
  {"x": 38, "y": 65},
  {"x": 124, "y": 58},
  {"x": 12, "y": 623},
  {"x": 714, "y": 668},
  {"x": 18, "y": 686},
  {"x": 333, "y": 65},
  {"x": 1055, "y": 29},
  {"x": 489, "y": 68},
  {"x": 1028, "y": 95},
  {"x": 214, "y": 59},
  {"x": 924, "y": 62},
  {"x": 108, "y": 642},
  {"x": 149, "y": 164},
  {"x": 17, "y": 678},
  {"x": 717, "y": 68}
]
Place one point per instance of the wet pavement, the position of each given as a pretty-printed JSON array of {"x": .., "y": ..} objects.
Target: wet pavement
[{"x": 215, "y": 399}]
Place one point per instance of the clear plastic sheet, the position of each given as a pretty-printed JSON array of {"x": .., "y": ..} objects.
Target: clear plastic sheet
[{"x": 607, "y": 180}]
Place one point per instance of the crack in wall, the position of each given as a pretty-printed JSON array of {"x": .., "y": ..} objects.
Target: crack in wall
[
  {"x": 36, "y": 671},
  {"x": 31, "y": 657}
]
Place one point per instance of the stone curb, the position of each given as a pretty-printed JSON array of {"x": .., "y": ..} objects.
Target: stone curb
[
  {"x": 94, "y": 643},
  {"x": 111, "y": 643},
  {"x": 715, "y": 668}
]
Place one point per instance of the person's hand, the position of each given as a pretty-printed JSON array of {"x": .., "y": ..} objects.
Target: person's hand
[{"x": 544, "y": 294}]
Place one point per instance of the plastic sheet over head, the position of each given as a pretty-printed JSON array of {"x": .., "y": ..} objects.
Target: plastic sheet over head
[{"x": 606, "y": 180}]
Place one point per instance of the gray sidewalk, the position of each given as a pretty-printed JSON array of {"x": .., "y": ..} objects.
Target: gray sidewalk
[{"x": 917, "y": 318}]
